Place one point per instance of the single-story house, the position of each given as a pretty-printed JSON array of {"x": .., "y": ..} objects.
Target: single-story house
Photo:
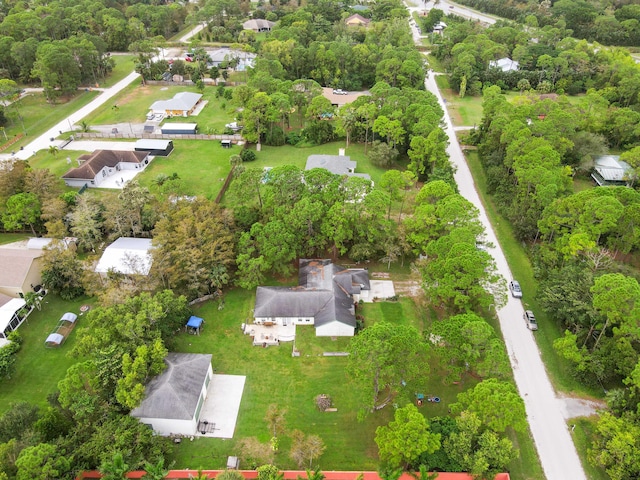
[
  {"x": 21, "y": 271},
  {"x": 161, "y": 148},
  {"x": 96, "y": 167},
  {"x": 174, "y": 399},
  {"x": 325, "y": 297},
  {"x": 182, "y": 104},
  {"x": 357, "y": 20},
  {"x": 610, "y": 171},
  {"x": 258, "y": 25},
  {"x": 439, "y": 27},
  {"x": 505, "y": 64},
  {"x": 222, "y": 55},
  {"x": 179, "y": 128},
  {"x": 129, "y": 256},
  {"x": 12, "y": 315},
  {"x": 337, "y": 164}
]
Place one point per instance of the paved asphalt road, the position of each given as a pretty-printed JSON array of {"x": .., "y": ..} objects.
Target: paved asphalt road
[
  {"x": 450, "y": 8},
  {"x": 545, "y": 411},
  {"x": 66, "y": 125}
]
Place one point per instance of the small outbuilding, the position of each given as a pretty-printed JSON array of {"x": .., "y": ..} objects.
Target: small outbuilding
[
  {"x": 182, "y": 104},
  {"x": 174, "y": 399},
  {"x": 160, "y": 148},
  {"x": 179, "y": 128}
]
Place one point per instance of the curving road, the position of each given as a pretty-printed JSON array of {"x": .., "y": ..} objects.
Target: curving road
[{"x": 545, "y": 411}]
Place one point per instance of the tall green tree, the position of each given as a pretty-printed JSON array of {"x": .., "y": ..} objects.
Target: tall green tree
[
  {"x": 406, "y": 438},
  {"x": 382, "y": 356}
]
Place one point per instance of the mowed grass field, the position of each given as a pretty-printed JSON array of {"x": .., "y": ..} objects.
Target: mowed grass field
[
  {"x": 133, "y": 103},
  {"x": 38, "y": 368}
]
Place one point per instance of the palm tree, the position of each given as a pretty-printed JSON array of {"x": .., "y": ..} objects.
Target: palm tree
[
  {"x": 53, "y": 150},
  {"x": 315, "y": 474},
  {"x": 155, "y": 471},
  {"x": 116, "y": 469},
  {"x": 423, "y": 474},
  {"x": 200, "y": 475}
]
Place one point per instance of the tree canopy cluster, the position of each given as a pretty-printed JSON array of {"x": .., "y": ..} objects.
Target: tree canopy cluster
[
  {"x": 549, "y": 60},
  {"x": 616, "y": 23}
]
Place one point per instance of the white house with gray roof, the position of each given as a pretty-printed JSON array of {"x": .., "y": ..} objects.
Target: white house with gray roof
[
  {"x": 325, "y": 297},
  {"x": 336, "y": 164},
  {"x": 174, "y": 399},
  {"x": 182, "y": 104}
]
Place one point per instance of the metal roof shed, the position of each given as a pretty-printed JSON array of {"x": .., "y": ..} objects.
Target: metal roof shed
[
  {"x": 160, "y": 148},
  {"x": 179, "y": 128}
]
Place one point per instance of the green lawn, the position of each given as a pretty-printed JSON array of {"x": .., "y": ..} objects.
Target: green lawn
[
  {"x": 585, "y": 430},
  {"x": 12, "y": 237},
  {"x": 39, "y": 369},
  {"x": 39, "y": 116},
  {"x": 124, "y": 66}
]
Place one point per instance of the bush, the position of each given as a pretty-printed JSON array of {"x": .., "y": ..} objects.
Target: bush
[
  {"x": 8, "y": 357},
  {"x": 294, "y": 138},
  {"x": 248, "y": 155},
  {"x": 275, "y": 137}
]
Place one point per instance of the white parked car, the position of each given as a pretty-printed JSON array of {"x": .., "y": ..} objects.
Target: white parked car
[
  {"x": 339, "y": 91},
  {"x": 516, "y": 291}
]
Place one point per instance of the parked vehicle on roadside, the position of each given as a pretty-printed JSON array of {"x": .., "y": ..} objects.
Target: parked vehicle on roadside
[
  {"x": 530, "y": 318},
  {"x": 516, "y": 291}
]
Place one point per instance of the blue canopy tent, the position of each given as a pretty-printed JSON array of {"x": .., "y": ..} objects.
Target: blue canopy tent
[{"x": 193, "y": 325}]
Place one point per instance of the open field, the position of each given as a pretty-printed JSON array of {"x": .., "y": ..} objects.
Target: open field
[{"x": 39, "y": 116}]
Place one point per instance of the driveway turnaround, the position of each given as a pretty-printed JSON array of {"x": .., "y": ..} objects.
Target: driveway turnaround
[{"x": 545, "y": 411}]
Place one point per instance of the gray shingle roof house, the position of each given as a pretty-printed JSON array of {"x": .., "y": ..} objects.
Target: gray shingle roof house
[
  {"x": 609, "y": 170},
  {"x": 182, "y": 104},
  {"x": 258, "y": 25},
  {"x": 174, "y": 398},
  {"x": 102, "y": 164},
  {"x": 325, "y": 297},
  {"x": 337, "y": 164}
]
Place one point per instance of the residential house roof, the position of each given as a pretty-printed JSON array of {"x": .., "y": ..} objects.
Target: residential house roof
[
  {"x": 128, "y": 256},
  {"x": 611, "y": 168},
  {"x": 96, "y": 161},
  {"x": 324, "y": 292},
  {"x": 174, "y": 394},
  {"x": 356, "y": 18},
  {"x": 505, "y": 64},
  {"x": 336, "y": 164},
  {"x": 182, "y": 101},
  {"x": 15, "y": 265},
  {"x": 258, "y": 24}
]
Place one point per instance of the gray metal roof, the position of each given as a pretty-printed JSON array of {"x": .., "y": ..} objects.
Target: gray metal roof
[
  {"x": 183, "y": 101},
  {"x": 324, "y": 292},
  {"x": 611, "y": 168},
  {"x": 174, "y": 394}
]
